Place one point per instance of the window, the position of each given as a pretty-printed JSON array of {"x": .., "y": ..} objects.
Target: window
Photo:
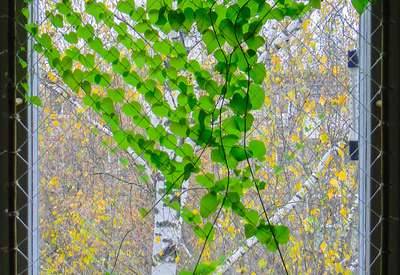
[{"x": 84, "y": 194}]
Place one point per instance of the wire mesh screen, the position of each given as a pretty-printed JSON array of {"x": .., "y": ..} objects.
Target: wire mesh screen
[{"x": 320, "y": 123}]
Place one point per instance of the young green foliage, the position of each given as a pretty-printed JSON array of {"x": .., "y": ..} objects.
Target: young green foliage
[{"x": 213, "y": 108}]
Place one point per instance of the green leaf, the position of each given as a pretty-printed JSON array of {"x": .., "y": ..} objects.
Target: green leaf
[
  {"x": 255, "y": 42},
  {"x": 162, "y": 47},
  {"x": 239, "y": 153},
  {"x": 176, "y": 18},
  {"x": 282, "y": 234},
  {"x": 278, "y": 170},
  {"x": 204, "y": 19},
  {"x": 71, "y": 37},
  {"x": 35, "y": 100},
  {"x": 178, "y": 128},
  {"x": 240, "y": 122},
  {"x": 160, "y": 110},
  {"x": 257, "y": 73},
  {"x": 316, "y": 4},
  {"x": 217, "y": 155},
  {"x": 230, "y": 140},
  {"x": 238, "y": 104},
  {"x": 243, "y": 16},
  {"x": 252, "y": 216},
  {"x": 257, "y": 148},
  {"x": 208, "y": 204},
  {"x": 256, "y": 95},
  {"x": 117, "y": 95},
  {"x": 32, "y": 28},
  {"x": 25, "y": 12},
  {"x": 206, "y": 180},
  {"x": 154, "y": 4},
  {"x": 209, "y": 229},
  {"x": 228, "y": 31},
  {"x": 57, "y": 20},
  {"x": 360, "y": 5},
  {"x": 249, "y": 230},
  {"x": 85, "y": 32},
  {"x": 22, "y": 62},
  {"x": 124, "y": 161},
  {"x": 143, "y": 211},
  {"x": 210, "y": 41},
  {"x": 127, "y": 6},
  {"x": 263, "y": 234},
  {"x": 132, "y": 109}
]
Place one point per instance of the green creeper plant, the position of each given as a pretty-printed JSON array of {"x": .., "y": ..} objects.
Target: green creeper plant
[{"x": 213, "y": 110}]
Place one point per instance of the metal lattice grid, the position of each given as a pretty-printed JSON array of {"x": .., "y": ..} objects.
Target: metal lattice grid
[{"x": 320, "y": 123}]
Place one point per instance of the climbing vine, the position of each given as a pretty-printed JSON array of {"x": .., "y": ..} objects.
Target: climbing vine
[{"x": 180, "y": 110}]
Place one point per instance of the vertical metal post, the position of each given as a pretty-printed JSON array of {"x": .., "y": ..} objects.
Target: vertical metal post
[
  {"x": 364, "y": 94},
  {"x": 33, "y": 171},
  {"x": 12, "y": 148}
]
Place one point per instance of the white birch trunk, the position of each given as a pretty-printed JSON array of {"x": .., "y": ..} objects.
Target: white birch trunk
[{"x": 166, "y": 233}]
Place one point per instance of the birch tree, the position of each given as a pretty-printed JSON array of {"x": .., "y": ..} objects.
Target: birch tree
[{"x": 165, "y": 107}]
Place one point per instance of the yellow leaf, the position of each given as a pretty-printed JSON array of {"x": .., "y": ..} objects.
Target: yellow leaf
[
  {"x": 52, "y": 77},
  {"x": 324, "y": 59},
  {"x": 314, "y": 212},
  {"x": 343, "y": 212},
  {"x": 54, "y": 182},
  {"x": 309, "y": 106},
  {"x": 95, "y": 90},
  {"x": 80, "y": 110},
  {"x": 295, "y": 138},
  {"x": 305, "y": 24},
  {"x": 341, "y": 175},
  {"x": 56, "y": 123},
  {"x": 275, "y": 60},
  {"x": 321, "y": 69},
  {"x": 195, "y": 212},
  {"x": 324, "y": 138},
  {"x": 341, "y": 100},
  {"x": 298, "y": 186},
  {"x": 292, "y": 95},
  {"x": 331, "y": 193},
  {"x": 157, "y": 239},
  {"x": 323, "y": 246},
  {"x": 335, "y": 70},
  {"x": 262, "y": 263},
  {"x": 177, "y": 259},
  {"x": 231, "y": 229},
  {"x": 267, "y": 101},
  {"x": 334, "y": 182},
  {"x": 338, "y": 268},
  {"x": 328, "y": 160},
  {"x": 322, "y": 100}
]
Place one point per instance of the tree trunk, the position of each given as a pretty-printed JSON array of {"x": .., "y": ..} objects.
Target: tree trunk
[{"x": 166, "y": 233}]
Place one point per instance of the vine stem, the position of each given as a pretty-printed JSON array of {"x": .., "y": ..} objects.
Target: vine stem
[
  {"x": 221, "y": 141},
  {"x": 245, "y": 139}
]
